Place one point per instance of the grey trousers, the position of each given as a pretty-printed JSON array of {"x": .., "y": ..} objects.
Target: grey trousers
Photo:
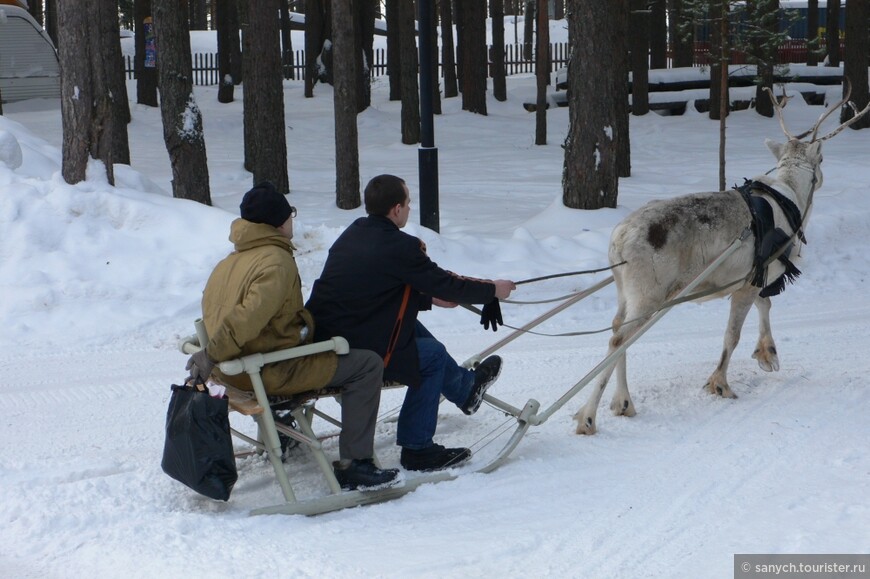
[{"x": 360, "y": 374}]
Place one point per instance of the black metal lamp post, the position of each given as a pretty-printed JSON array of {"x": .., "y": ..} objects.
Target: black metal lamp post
[{"x": 428, "y": 153}]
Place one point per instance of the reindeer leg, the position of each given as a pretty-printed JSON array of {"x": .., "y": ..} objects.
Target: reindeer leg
[
  {"x": 621, "y": 404},
  {"x": 585, "y": 417},
  {"x": 765, "y": 350},
  {"x": 741, "y": 302}
]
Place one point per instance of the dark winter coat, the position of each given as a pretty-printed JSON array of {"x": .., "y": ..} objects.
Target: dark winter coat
[
  {"x": 252, "y": 303},
  {"x": 372, "y": 269}
]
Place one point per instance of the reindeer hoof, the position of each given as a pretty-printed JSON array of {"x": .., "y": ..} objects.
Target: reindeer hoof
[
  {"x": 585, "y": 425},
  {"x": 767, "y": 359},
  {"x": 622, "y": 408},
  {"x": 722, "y": 390}
]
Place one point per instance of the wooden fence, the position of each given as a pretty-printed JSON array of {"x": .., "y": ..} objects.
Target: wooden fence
[{"x": 205, "y": 65}]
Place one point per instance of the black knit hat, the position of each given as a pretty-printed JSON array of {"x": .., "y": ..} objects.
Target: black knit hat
[{"x": 263, "y": 204}]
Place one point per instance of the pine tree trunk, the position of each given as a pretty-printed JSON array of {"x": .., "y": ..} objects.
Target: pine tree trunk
[
  {"x": 410, "y": 87},
  {"x": 448, "y": 53},
  {"x": 658, "y": 34},
  {"x": 146, "y": 71},
  {"x": 182, "y": 120},
  {"x": 227, "y": 37},
  {"x": 683, "y": 41},
  {"x": 542, "y": 72},
  {"x": 347, "y": 182},
  {"x": 364, "y": 35},
  {"x": 474, "y": 62},
  {"x": 812, "y": 32},
  {"x": 639, "y": 50},
  {"x": 499, "y": 82},
  {"x": 263, "y": 91},
  {"x": 75, "y": 90},
  {"x": 619, "y": 89},
  {"x": 855, "y": 61},
  {"x": 394, "y": 50},
  {"x": 286, "y": 41},
  {"x": 832, "y": 29},
  {"x": 589, "y": 178},
  {"x": 766, "y": 15},
  {"x": 112, "y": 65}
]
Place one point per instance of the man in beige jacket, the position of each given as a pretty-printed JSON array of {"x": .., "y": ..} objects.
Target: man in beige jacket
[{"x": 252, "y": 303}]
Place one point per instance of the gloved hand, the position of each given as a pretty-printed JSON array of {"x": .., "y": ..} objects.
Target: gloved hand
[
  {"x": 491, "y": 314},
  {"x": 200, "y": 366}
]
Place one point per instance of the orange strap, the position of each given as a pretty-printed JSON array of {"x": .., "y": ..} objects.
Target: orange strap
[{"x": 394, "y": 338}]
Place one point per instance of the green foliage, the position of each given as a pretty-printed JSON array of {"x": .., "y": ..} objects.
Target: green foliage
[{"x": 753, "y": 27}]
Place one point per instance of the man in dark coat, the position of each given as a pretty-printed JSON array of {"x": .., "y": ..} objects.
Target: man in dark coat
[{"x": 375, "y": 281}]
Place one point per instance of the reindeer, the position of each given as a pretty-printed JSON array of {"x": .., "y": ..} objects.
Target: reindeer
[{"x": 666, "y": 244}]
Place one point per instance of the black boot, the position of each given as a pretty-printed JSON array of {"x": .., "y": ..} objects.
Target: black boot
[
  {"x": 362, "y": 474},
  {"x": 485, "y": 376},
  {"x": 434, "y": 457}
]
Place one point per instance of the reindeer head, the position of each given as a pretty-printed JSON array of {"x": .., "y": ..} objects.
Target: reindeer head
[{"x": 797, "y": 154}]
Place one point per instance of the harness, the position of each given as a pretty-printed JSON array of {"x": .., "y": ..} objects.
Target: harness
[{"x": 771, "y": 242}]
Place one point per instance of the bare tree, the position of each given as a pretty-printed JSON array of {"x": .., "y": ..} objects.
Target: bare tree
[
  {"x": 408, "y": 74},
  {"x": 50, "y": 20},
  {"x": 263, "y": 90},
  {"x": 182, "y": 120},
  {"x": 499, "y": 83},
  {"x": 347, "y": 181},
  {"x": 93, "y": 118},
  {"x": 229, "y": 49},
  {"x": 855, "y": 62},
  {"x": 589, "y": 177}
]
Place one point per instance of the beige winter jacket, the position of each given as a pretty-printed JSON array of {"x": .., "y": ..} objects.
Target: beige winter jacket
[{"x": 252, "y": 303}]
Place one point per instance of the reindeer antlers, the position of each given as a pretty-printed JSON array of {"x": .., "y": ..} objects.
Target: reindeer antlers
[{"x": 828, "y": 112}]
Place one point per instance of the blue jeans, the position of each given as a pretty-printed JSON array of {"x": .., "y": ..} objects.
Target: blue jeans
[{"x": 440, "y": 375}]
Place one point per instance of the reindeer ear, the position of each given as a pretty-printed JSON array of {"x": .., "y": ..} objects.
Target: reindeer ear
[{"x": 775, "y": 148}]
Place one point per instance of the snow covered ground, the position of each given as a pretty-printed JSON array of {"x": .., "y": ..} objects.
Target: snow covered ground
[{"x": 99, "y": 282}]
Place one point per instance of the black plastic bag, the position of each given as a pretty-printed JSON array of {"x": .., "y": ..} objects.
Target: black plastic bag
[{"x": 198, "y": 451}]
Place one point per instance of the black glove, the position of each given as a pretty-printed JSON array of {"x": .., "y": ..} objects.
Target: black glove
[
  {"x": 491, "y": 314},
  {"x": 200, "y": 366}
]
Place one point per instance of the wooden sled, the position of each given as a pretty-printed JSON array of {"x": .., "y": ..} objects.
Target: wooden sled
[{"x": 259, "y": 406}]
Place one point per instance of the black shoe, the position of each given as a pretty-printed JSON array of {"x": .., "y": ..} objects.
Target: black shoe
[
  {"x": 434, "y": 457},
  {"x": 287, "y": 443},
  {"x": 362, "y": 474},
  {"x": 485, "y": 376}
]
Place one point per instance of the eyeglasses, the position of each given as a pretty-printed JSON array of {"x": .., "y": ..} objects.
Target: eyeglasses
[{"x": 292, "y": 212}]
